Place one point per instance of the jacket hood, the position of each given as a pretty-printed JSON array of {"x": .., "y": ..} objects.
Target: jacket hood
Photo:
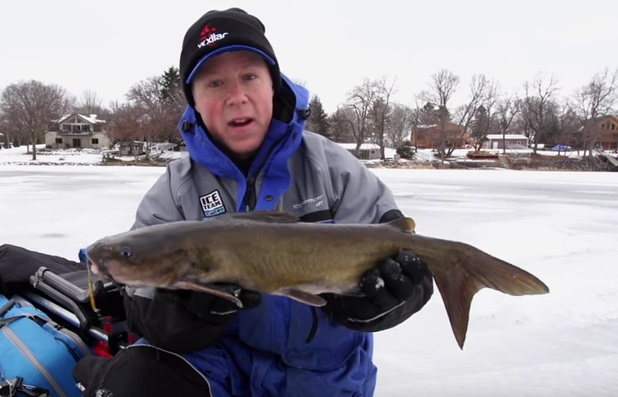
[{"x": 284, "y": 136}]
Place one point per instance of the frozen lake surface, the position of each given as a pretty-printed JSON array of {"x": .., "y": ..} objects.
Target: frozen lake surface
[{"x": 560, "y": 226}]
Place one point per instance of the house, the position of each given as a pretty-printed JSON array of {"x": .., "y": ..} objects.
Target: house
[
  {"x": 131, "y": 148},
  {"x": 367, "y": 151},
  {"x": 499, "y": 141},
  {"x": 606, "y": 133},
  {"x": 430, "y": 136},
  {"x": 78, "y": 131}
]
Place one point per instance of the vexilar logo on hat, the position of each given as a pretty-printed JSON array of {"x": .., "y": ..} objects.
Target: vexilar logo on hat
[
  {"x": 208, "y": 36},
  {"x": 217, "y": 32}
]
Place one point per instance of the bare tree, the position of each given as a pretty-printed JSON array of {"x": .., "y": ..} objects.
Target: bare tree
[
  {"x": 401, "y": 121},
  {"x": 5, "y": 135},
  {"x": 443, "y": 86},
  {"x": 32, "y": 106},
  {"x": 506, "y": 110},
  {"x": 538, "y": 102},
  {"x": 382, "y": 109},
  {"x": 160, "y": 115},
  {"x": 569, "y": 127},
  {"x": 123, "y": 123},
  {"x": 360, "y": 101},
  {"x": 341, "y": 126},
  {"x": 483, "y": 92},
  {"x": 90, "y": 103},
  {"x": 485, "y": 115},
  {"x": 12, "y": 134},
  {"x": 417, "y": 118},
  {"x": 595, "y": 99}
]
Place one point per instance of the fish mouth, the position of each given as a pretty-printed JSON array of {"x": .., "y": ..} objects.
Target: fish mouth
[
  {"x": 97, "y": 267},
  {"x": 101, "y": 256},
  {"x": 110, "y": 270},
  {"x": 101, "y": 269}
]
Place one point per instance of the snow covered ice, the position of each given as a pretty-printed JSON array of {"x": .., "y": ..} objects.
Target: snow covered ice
[{"x": 560, "y": 226}]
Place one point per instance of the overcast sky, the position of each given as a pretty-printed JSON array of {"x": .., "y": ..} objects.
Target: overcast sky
[{"x": 330, "y": 46}]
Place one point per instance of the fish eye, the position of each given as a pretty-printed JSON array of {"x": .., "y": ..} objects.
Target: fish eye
[{"x": 126, "y": 252}]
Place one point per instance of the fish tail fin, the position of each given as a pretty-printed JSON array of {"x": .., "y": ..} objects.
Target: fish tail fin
[{"x": 472, "y": 270}]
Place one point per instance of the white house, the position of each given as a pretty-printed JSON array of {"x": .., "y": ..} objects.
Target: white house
[
  {"x": 367, "y": 151},
  {"x": 78, "y": 131},
  {"x": 499, "y": 141}
]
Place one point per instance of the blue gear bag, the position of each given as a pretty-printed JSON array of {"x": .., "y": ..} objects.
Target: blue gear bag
[{"x": 38, "y": 350}]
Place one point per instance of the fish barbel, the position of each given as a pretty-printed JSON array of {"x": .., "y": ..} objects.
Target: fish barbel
[{"x": 275, "y": 253}]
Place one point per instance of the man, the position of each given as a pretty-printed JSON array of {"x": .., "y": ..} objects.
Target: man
[{"x": 243, "y": 128}]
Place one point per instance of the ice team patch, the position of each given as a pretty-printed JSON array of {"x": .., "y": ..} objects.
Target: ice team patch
[{"x": 212, "y": 205}]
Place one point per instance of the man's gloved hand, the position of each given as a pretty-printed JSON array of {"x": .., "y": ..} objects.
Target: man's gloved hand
[
  {"x": 184, "y": 321},
  {"x": 205, "y": 306},
  {"x": 394, "y": 290}
]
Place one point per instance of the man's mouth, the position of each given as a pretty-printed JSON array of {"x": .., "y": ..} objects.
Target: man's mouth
[{"x": 240, "y": 122}]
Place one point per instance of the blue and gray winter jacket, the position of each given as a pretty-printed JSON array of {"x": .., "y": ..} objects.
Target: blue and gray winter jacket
[{"x": 281, "y": 347}]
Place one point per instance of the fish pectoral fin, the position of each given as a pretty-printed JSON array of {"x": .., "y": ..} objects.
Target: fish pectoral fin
[
  {"x": 266, "y": 216},
  {"x": 222, "y": 292},
  {"x": 303, "y": 297}
]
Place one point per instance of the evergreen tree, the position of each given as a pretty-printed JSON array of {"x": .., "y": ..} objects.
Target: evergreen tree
[
  {"x": 170, "y": 84},
  {"x": 318, "y": 119},
  {"x": 480, "y": 124}
]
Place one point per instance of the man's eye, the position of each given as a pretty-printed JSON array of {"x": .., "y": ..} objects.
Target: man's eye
[
  {"x": 250, "y": 76},
  {"x": 215, "y": 84}
]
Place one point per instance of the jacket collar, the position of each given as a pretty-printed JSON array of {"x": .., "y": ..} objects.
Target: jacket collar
[{"x": 281, "y": 142}]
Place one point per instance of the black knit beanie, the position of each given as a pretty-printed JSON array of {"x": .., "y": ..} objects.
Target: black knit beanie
[{"x": 217, "y": 32}]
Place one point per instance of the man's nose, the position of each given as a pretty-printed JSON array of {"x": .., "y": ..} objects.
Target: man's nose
[{"x": 237, "y": 94}]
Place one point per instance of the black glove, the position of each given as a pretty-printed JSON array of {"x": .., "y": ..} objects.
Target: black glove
[
  {"x": 204, "y": 305},
  {"x": 183, "y": 321},
  {"x": 394, "y": 290}
]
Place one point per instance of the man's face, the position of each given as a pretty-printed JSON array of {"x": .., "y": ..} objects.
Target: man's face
[{"x": 233, "y": 93}]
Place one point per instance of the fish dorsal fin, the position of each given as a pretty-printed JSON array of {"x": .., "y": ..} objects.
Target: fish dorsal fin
[
  {"x": 266, "y": 216},
  {"x": 404, "y": 224}
]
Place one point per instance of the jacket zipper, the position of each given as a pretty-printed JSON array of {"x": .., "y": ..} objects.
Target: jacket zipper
[
  {"x": 250, "y": 203},
  {"x": 250, "y": 197},
  {"x": 30, "y": 357}
]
